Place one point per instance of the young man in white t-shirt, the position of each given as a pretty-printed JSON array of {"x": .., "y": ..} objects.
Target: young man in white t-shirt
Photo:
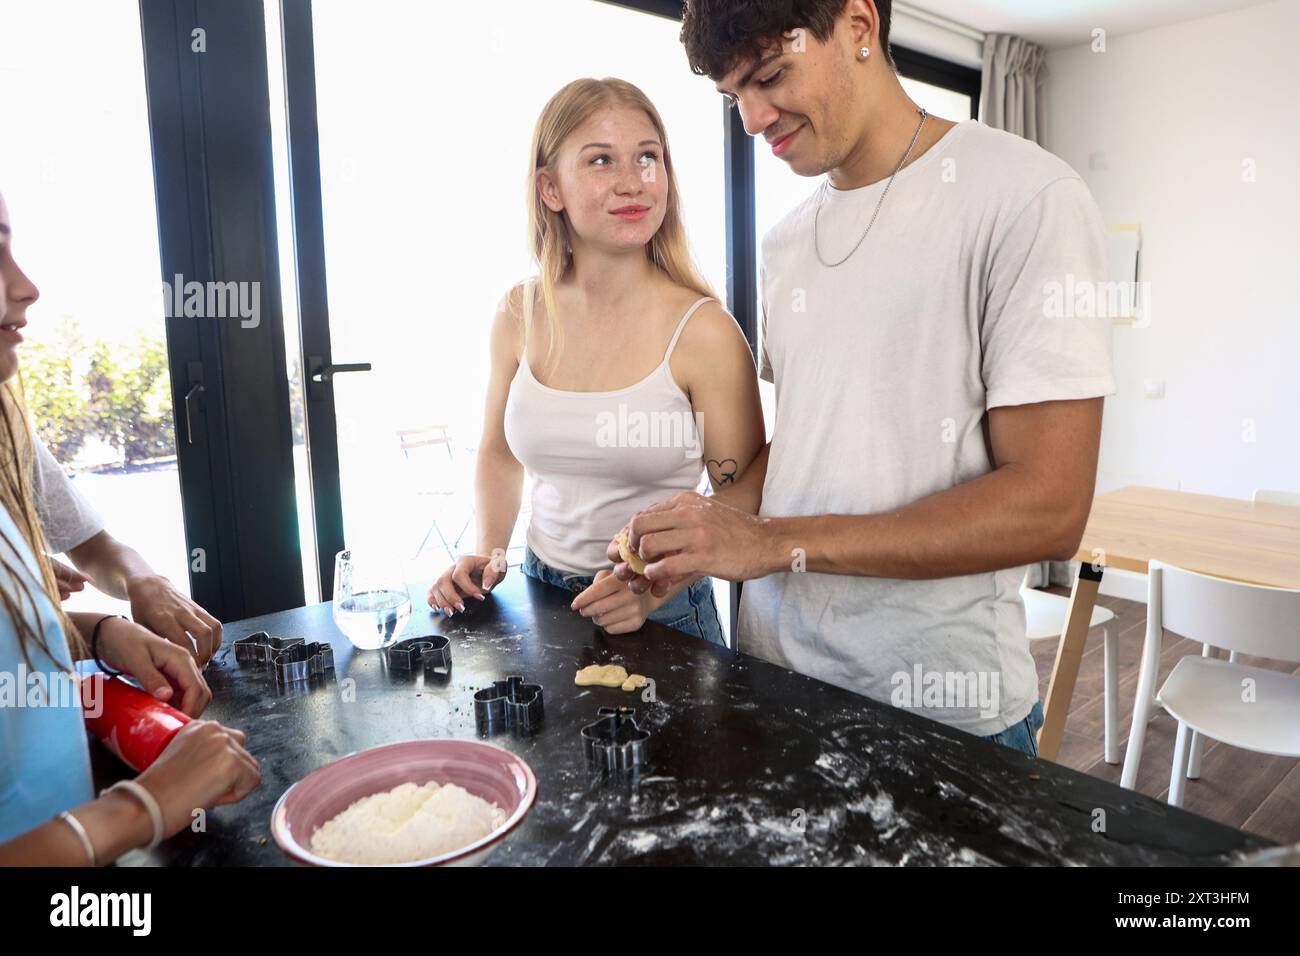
[{"x": 938, "y": 394}]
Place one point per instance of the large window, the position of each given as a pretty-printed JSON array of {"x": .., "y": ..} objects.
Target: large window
[
  {"x": 76, "y": 172},
  {"x": 424, "y": 150}
]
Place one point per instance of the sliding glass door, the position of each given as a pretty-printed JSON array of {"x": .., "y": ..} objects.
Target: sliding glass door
[{"x": 418, "y": 227}]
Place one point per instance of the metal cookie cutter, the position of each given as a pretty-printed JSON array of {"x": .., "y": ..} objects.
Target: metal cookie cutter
[
  {"x": 508, "y": 703},
  {"x": 428, "y": 654},
  {"x": 614, "y": 741},
  {"x": 302, "y": 662},
  {"x": 262, "y": 648}
]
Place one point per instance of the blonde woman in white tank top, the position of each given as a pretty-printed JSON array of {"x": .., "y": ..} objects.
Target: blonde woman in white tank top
[{"x": 617, "y": 379}]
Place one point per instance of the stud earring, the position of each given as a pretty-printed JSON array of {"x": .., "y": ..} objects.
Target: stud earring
[{"x": 863, "y": 53}]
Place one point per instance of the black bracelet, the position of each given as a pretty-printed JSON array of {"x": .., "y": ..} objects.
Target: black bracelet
[{"x": 94, "y": 646}]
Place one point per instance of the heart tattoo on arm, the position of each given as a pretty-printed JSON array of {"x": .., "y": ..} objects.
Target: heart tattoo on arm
[{"x": 722, "y": 472}]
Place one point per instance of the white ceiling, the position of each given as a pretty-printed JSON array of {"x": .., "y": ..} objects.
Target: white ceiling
[{"x": 1060, "y": 23}]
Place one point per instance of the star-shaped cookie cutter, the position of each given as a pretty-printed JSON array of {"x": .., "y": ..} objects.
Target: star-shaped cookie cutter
[
  {"x": 261, "y": 648},
  {"x": 429, "y": 654},
  {"x": 508, "y": 703},
  {"x": 614, "y": 741}
]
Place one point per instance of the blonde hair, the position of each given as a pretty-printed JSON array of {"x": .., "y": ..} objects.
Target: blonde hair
[
  {"x": 17, "y": 460},
  {"x": 551, "y": 242}
]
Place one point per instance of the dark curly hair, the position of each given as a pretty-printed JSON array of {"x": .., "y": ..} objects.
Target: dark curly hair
[{"x": 718, "y": 34}]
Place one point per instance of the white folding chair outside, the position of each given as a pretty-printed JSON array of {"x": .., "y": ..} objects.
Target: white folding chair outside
[
  {"x": 1267, "y": 496},
  {"x": 1211, "y": 697},
  {"x": 1045, "y": 618}
]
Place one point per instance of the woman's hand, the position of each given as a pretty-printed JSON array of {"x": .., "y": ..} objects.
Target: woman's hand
[
  {"x": 69, "y": 579},
  {"x": 205, "y": 765},
  {"x": 472, "y": 574},
  {"x": 612, "y": 606},
  {"x": 165, "y": 670}
]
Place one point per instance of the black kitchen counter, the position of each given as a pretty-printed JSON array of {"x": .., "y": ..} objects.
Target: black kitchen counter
[{"x": 751, "y": 763}]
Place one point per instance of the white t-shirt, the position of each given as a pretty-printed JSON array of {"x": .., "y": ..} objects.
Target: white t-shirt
[
  {"x": 884, "y": 368},
  {"x": 67, "y": 518}
]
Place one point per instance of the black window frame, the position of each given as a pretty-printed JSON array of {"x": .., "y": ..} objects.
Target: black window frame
[
  {"x": 209, "y": 127},
  {"x": 937, "y": 71}
]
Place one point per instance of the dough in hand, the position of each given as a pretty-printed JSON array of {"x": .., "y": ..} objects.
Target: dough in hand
[
  {"x": 633, "y": 682},
  {"x": 631, "y": 557},
  {"x": 601, "y": 675}
]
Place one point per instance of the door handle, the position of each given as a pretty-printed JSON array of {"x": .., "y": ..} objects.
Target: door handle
[
  {"x": 194, "y": 372},
  {"x": 323, "y": 373}
]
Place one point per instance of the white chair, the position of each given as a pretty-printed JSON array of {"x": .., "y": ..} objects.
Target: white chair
[
  {"x": 1197, "y": 745},
  {"x": 440, "y": 480},
  {"x": 1262, "y": 496},
  {"x": 1242, "y": 706},
  {"x": 1045, "y": 618}
]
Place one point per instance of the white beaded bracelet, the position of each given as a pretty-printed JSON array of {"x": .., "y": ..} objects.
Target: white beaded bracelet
[
  {"x": 80, "y": 831},
  {"x": 150, "y": 805}
]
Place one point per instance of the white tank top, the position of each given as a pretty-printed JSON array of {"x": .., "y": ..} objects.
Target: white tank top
[{"x": 597, "y": 458}]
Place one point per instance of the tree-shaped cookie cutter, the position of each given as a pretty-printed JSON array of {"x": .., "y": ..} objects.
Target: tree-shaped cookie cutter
[
  {"x": 302, "y": 662},
  {"x": 261, "y": 648},
  {"x": 508, "y": 703},
  {"x": 614, "y": 741},
  {"x": 429, "y": 654}
]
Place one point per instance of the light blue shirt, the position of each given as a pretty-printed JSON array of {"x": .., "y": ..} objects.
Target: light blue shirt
[{"x": 44, "y": 760}]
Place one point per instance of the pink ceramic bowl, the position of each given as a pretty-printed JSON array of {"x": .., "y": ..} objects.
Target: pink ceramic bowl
[{"x": 484, "y": 769}]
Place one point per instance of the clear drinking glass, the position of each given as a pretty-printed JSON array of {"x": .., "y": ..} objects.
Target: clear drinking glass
[{"x": 371, "y": 602}]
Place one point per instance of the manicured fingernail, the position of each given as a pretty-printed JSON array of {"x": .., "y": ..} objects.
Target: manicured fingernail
[
  {"x": 460, "y": 607},
  {"x": 481, "y": 597}
]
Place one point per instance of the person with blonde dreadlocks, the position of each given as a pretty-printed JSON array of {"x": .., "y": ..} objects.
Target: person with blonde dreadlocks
[{"x": 48, "y": 813}]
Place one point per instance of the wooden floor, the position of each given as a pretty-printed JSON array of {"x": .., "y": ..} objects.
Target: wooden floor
[{"x": 1255, "y": 792}]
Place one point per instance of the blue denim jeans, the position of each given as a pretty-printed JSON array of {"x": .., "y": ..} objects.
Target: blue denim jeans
[
  {"x": 691, "y": 611},
  {"x": 1024, "y": 735}
]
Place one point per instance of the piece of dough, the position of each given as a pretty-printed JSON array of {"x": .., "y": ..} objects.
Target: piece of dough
[
  {"x": 633, "y": 682},
  {"x": 631, "y": 557},
  {"x": 601, "y": 675}
]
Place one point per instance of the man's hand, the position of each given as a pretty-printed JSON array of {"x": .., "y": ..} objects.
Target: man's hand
[
  {"x": 157, "y": 605},
  {"x": 689, "y": 535},
  {"x": 69, "y": 579}
]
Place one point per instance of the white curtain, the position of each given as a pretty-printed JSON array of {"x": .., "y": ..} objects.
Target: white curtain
[{"x": 1015, "y": 73}]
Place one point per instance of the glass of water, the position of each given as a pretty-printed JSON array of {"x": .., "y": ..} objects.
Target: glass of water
[{"x": 371, "y": 602}]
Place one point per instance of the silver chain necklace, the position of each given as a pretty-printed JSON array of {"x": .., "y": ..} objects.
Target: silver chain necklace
[{"x": 826, "y": 185}]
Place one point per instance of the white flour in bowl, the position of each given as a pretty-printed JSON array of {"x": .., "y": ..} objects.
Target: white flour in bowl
[{"x": 409, "y": 822}]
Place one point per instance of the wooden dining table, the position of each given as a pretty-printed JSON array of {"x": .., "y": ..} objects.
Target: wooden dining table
[{"x": 1258, "y": 543}]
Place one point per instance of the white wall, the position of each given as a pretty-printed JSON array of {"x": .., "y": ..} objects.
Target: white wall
[{"x": 1176, "y": 111}]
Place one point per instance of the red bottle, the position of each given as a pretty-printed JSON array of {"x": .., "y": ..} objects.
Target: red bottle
[{"x": 133, "y": 724}]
